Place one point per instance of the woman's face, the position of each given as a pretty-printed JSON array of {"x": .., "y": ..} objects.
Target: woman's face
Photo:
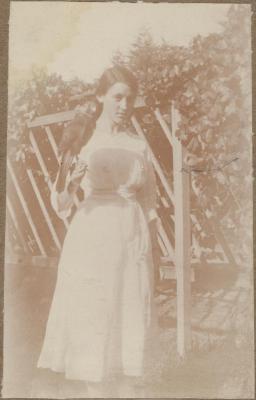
[{"x": 118, "y": 102}]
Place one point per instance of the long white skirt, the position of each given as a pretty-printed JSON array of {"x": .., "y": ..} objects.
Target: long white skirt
[{"x": 101, "y": 311}]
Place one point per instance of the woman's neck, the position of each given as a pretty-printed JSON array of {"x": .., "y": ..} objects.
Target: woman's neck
[{"x": 109, "y": 127}]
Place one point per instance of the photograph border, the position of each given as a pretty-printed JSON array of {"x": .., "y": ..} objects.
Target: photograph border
[{"x": 4, "y": 33}]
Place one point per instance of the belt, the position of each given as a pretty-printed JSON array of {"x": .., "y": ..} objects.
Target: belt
[{"x": 121, "y": 192}]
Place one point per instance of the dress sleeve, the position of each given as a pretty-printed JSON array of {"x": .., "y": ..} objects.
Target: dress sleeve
[
  {"x": 62, "y": 202},
  {"x": 148, "y": 193}
]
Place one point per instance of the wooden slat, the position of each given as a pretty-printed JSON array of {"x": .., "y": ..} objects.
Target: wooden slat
[
  {"x": 165, "y": 240},
  {"x": 182, "y": 243},
  {"x": 26, "y": 210},
  {"x": 230, "y": 190},
  {"x": 15, "y": 223},
  {"x": 60, "y": 117},
  {"x": 13, "y": 241},
  {"x": 43, "y": 166},
  {"x": 162, "y": 245},
  {"x": 52, "y": 142},
  {"x": 156, "y": 164},
  {"x": 36, "y": 261},
  {"x": 164, "y": 202},
  {"x": 43, "y": 209},
  {"x": 164, "y": 126},
  {"x": 40, "y": 159},
  {"x": 222, "y": 240}
]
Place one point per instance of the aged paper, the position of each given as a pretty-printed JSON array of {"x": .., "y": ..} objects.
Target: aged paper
[{"x": 128, "y": 241}]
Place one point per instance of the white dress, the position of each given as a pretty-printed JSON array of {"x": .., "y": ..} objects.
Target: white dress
[{"x": 101, "y": 313}]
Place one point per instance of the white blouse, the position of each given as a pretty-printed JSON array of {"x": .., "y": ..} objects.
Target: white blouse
[{"x": 116, "y": 163}]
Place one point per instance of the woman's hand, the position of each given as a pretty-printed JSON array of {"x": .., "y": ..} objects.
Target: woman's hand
[{"x": 77, "y": 175}]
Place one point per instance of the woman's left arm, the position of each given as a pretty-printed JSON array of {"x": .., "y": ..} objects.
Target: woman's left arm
[
  {"x": 149, "y": 203},
  {"x": 150, "y": 189}
]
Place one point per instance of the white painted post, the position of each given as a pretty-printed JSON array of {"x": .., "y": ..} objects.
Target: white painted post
[{"x": 182, "y": 241}]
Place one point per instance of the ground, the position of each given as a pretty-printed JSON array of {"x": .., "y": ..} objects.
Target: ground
[{"x": 219, "y": 365}]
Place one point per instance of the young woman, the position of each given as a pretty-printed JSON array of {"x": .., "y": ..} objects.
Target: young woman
[{"x": 102, "y": 310}]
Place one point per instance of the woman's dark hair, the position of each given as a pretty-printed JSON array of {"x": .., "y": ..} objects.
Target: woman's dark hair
[
  {"x": 80, "y": 129},
  {"x": 116, "y": 74},
  {"x": 86, "y": 121}
]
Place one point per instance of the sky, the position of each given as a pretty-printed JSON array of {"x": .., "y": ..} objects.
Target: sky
[{"x": 78, "y": 39}]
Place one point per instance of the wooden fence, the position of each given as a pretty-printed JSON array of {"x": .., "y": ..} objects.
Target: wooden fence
[{"x": 35, "y": 231}]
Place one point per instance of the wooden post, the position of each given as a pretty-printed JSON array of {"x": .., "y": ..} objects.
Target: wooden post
[{"x": 182, "y": 241}]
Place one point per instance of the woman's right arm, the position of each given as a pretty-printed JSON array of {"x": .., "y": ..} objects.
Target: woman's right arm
[{"x": 63, "y": 201}]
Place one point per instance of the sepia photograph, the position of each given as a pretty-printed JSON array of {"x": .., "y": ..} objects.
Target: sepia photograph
[{"x": 128, "y": 266}]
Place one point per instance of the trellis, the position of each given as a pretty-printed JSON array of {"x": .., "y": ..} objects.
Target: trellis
[{"x": 36, "y": 229}]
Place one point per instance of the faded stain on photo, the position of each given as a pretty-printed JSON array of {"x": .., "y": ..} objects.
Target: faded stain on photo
[{"x": 128, "y": 240}]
